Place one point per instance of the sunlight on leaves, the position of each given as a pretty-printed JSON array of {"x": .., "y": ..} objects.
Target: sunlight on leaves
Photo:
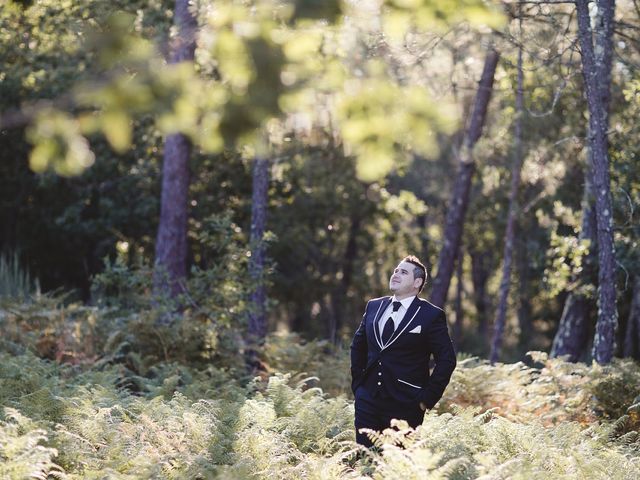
[
  {"x": 382, "y": 121},
  {"x": 116, "y": 126},
  {"x": 59, "y": 144}
]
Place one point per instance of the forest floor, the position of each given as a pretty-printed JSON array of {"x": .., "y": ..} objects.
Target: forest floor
[{"x": 118, "y": 415}]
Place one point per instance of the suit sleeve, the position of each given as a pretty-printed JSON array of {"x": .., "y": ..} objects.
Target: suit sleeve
[
  {"x": 445, "y": 359},
  {"x": 359, "y": 351}
]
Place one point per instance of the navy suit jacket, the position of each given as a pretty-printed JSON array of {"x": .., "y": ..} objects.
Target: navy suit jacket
[{"x": 404, "y": 360}]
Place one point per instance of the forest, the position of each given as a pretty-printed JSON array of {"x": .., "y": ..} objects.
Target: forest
[{"x": 199, "y": 197}]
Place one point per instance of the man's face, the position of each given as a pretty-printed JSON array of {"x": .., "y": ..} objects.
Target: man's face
[{"x": 402, "y": 281}]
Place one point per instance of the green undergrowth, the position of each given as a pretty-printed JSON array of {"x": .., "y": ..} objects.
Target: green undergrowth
[{"x": 93, "y": 393}]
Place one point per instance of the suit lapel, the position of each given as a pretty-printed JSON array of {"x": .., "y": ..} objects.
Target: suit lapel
[
  {"x": 376, "y": 329},
  {"x": 406, "y": 321}
]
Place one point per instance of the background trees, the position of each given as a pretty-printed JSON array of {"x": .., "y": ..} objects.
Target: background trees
[{"x": 365, "y": 117}]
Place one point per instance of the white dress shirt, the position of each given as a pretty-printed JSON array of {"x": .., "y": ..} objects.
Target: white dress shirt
[{"x": 395, "y": 316}]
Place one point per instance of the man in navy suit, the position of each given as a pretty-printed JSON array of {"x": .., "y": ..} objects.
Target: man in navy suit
[{"x": 390, "y": 354}]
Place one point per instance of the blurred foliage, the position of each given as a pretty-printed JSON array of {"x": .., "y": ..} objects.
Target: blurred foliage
[
  {"x": 15, "y": 281},
  {"x": 256, "y": 59}
]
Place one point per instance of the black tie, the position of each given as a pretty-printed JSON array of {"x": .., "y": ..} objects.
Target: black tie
[{"x": 389, "y": 327}]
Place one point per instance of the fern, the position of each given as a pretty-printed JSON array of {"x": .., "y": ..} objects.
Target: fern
[
  {"x": 22, "y": 453},
  {"x": 448, "y": 446},
  {"x": 15, "y": 281},
  {"x": 133, "y": 417},
  {"x": 144, "y": 438}
]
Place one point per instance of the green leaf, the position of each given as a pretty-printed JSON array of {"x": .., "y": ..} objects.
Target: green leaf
[{"x": 117, "y": 128}]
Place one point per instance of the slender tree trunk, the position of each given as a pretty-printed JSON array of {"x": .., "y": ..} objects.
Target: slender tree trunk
[
  {"x": 596, "y": 79},
  {"x": 460, "y": 196},
  {"x": 171, "y": 243},
  {"x": 457, "y": 327},
  {"x": 524, "y": 295},
  {"x": 632, "y": 337},
  {"x": 510, "y": 233},
  {"x": 258, "y": 297},
  {"x": 480, "y": 277},
  {"x": 572, "y": 335},
  {"x": 338, "y": 295},
  {"x": 350, "y": 253}
]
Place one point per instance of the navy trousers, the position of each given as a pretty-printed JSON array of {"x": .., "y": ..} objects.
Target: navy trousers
[{"x": 376, "y": 413}]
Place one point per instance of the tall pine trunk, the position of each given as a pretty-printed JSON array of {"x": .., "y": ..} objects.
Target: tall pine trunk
[
  {"x": 480, "y": 277},
  {"x": 457, "y": 327},
  {"x": 258, "y": 296},
  {"x": 339, "y": 292},
  {"x": 510, "y": 233},
  {"x": 632, "y": 336},
  {"x": 597, "y": 79},
  {"x": 572, "y": 336},
  {"x": 454, "y": 223},
  {"x": 171, "y": 243},
  {"x": 524, "y": 294}
]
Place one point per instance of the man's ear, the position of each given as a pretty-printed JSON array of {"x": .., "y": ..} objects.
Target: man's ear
[{"x": 417, "y": 283}]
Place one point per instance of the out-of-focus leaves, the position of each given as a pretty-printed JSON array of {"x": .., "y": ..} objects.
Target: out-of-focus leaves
[
  {"x": 116, "y": 43},
  {"x": 59, "y": 144},
  {"x": 265, "y": 61},
  {"x": 401, "y": 16},
  {"x": 250, "y": 63},
  {"x": 317, "y": 9},
  {"x": 117, "y": 128},
  {"x": 382, "y": 121}
]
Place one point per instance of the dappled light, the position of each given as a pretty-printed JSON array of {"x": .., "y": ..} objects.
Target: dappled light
[{"x": 319, "y": 239}]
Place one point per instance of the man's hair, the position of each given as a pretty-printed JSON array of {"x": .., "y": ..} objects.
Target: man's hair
[{"x": 419, "y": 270}]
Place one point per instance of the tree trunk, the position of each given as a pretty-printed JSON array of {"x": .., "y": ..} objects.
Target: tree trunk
[
  {"x": 350, "y": 253},
  {"x": 479, "y": 277},
  {"x": 524, "y": 295},
  {"x": 632, "y": 337},
  {"x": 457, "y": 327},
  {"x": 258, "y": 297},
  {"x": 171, "y": 243},
  {"x": 510, "y": 233},
  {"x": 597, "y": 79},
  {"x": 460, "y": 196},
  {"x": 572, "y": 335},
  {"x": 339, "y": 294}
]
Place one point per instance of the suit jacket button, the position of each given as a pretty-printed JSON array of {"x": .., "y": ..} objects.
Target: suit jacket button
[
  {"x": 379, "y": 383},
  {"x": 379, "y": 373}
]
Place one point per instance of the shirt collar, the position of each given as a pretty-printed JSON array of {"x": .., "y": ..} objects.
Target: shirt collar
[{"x": 406, "y": 302}]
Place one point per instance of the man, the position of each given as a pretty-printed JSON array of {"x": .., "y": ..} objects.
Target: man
[{"x": 390, "y": 354}]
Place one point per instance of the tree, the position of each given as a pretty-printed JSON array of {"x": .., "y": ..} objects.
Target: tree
[
  {"x": 460, "y": 195},
  {"x": 510, "y": 232},
  {"x": 572, "y": 335},
  {"x": 171, "y": 242},
  {"x": 597, "y": 78},
  {"x": 632, "y": 337},
  {"x": 257, "y": 299}
]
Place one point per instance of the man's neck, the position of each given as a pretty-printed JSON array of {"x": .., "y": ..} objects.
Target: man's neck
[{"x": 406, "y": 295}]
